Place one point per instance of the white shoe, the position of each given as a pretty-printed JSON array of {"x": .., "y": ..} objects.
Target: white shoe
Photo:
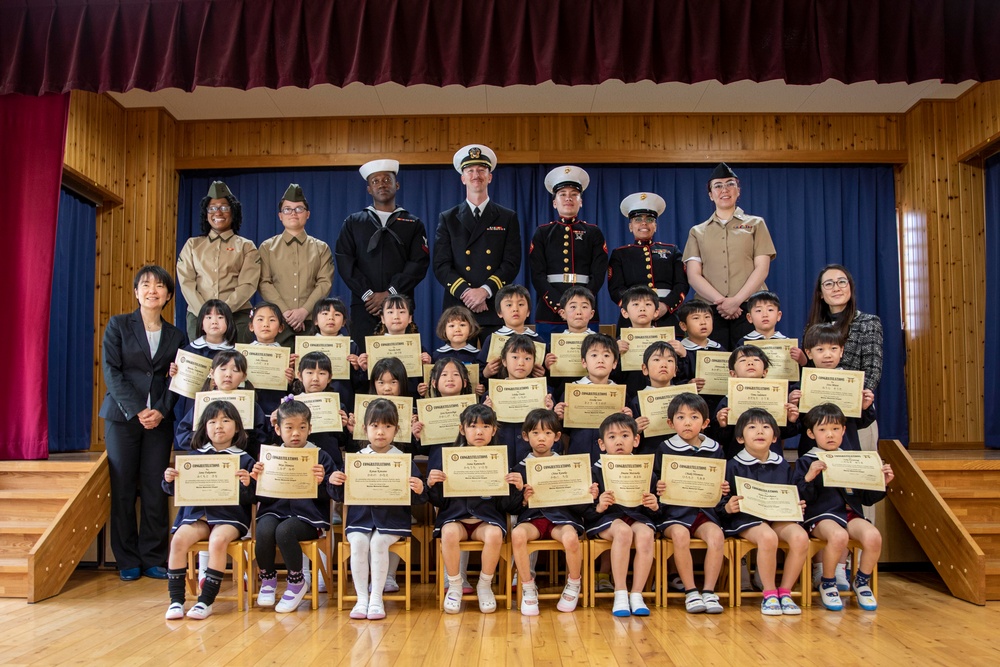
[
  {"x": 453, "y": 600},
  {"x": 529, "y": 600},
  {"x": 360, "y": 610},
  {"x": 376, "y": 611},
  {"x": 604, "y": 584},
  {"x": 265, "y": 597},
  {"x": 621, "y": 607},
  {"x": 290, "y": 601},
  {"x": 712, "y": 604},
  {"x": 637, "y": 604},
  {"x": 569, "y": 598},
  {"x": 694, "y": 604},
  {"x": 830, "y": 597},
  {"x": 199, "y": 611},
  {"x": 487, "y": 601},
  {"x": 175, "y": 611},
  {"x": 390, "y": 585}
]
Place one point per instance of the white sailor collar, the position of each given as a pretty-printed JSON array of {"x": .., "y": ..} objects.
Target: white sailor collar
[
  {"x": 691, "y": 345},
  {"x": 206, "y": 449},
  {"x": 588, "y": 332},
  {"x": 815, "y": 452},
  {"x": 449, "y": 348},
  {"x": 746, "y": 458},
  {"x": 677, "y": 444},
  {"x": 507, "y": 331},
  {"x": 275, "y": 344},
  {"x": 376, "y": 211},
  {"x": 392, "y": 450},
  {"x": 756, "y": 335},
  {"x": 200, "y": 343},
  {"x": 586, "y": 380},
  {"x": 531, "y": 455}
]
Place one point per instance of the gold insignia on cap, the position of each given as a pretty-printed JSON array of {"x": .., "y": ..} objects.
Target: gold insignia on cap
[
  {"x": 642, "y": 197},
  {"x": 475, "y": 153},
  {"x": 567, "y": 170}
]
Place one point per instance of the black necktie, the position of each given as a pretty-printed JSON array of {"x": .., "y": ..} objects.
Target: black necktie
[{"x": 475, "y": 214}]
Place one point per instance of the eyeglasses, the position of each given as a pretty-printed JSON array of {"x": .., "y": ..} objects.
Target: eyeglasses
[
  {"x": 728, "y": 185},
  {"x": 829, "y": 284},
  {"x": 288, "y": 210},
  {"x": 219, "y": 209}
]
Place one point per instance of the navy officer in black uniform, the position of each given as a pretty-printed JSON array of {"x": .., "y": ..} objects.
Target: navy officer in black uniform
[
  {"x": 381, "y": 250},
  {"x": 565, "y": 252},
  {"x": 648, "y": 262},
  {"x": 477, "y": 244}
]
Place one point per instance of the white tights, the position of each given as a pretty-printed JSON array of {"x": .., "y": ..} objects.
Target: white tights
[{"x": 376, "y": 546}]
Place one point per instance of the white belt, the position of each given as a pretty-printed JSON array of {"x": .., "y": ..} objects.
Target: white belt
[
  {"x": 662, "y": 293},
  {"x": 576, "y": 278}
]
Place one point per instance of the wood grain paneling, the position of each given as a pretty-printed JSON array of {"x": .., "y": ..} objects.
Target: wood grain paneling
[
  {"x": 979, "y": 121},
  {"x": 95, "y": 144}
]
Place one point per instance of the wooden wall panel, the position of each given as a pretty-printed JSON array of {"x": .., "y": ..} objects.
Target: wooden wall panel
[
  {"x": 95, "y": 144},
  {"x": 979, "y": 120}
]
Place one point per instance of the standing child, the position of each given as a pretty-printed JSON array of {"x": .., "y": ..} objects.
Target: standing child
[
  {"x": 577, "y": 307},
  {"x": 756, "y": 430},
  {"x": 331, "y": 319},
  {"x": 219, "y": 432},
  {"x": 764, "y": 313},
  {"x": 639, "y": 305},
  {"x": 449, "y": 378},
  {"x": 283, "y": 523},
  {"x": 513, "y": 304},
  {"x": 266, "y": 324},
  {"x": 397, "y": 319},
  {"x": 314, "y": 375},
  {"x": 659, "y": 365},
  {"x": 216, "y": 329},
  {"x": 371, "y": 530},
  {"x": 695, "y": 320}
]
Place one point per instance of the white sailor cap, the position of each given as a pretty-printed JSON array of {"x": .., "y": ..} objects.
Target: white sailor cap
[
  {"x": 643, "y": 203},
  {"x": 474, "y": 154},
  {"x": 566, "y": 176},
  {"x": 375, "y": 166}
]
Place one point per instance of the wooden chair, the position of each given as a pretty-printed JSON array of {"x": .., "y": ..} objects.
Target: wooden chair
[
  {"x": 724, "y": 587},
  {"x": 654, "y": 584},
  {"x": 554, "y": 547},
  {"x": 402, "y": 548},
  {"x": 239, "y": 553},
  {"x": 854, "y": 549},
  {"x": 744, "y": 547},
  {"x": 500, "y": 580}
]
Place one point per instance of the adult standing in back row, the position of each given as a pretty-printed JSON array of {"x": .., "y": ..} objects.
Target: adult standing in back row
[
  {"x": 477, "y": 244},
  {"x": 728, "y": 258}
]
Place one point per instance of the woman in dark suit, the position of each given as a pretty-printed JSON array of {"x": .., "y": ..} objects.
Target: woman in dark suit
[{"x": 138, "y": 414}]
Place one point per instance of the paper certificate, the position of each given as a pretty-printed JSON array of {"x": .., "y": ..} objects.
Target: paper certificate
[
  {"x": 628, "y": 476},
  {"x": 497, "y": 341},
  {"x": 325, "y": 407},
  {"x": 192, "y": 371},
  {"x": 653, "y": 405},
  {"x": 337, "y": 348},
  {"x": 514, "y": 399},
  {"x": 288, "y": 472},
  {"x": 771, "y": 502},
  {"x": 404, "y": 404},
  {"x": 559, "y": 481},
  {"x": 475, "y": 471},
  {"x": 471, "y": 367},
  {"x": 266, "y": 365},
  {"x": 588, "y": 404},
  {"x": 842, "y": 388},
  {"x": 377, "y": 479},
  {"x": 243, "y": 399},
  {"x": 713, "y": 367},
  {"x": 638, "y": 340},
  {"x": 779, "y": 356},
  {"x": 405, "y": 347},
  {"x": 853, "y": 470},
  {"x": 207, "y": 481},
  {"x": 746, "y": 393},
  {"x": 566, "y": 347},
  {"x": 440, "y": 417},
  {"x": 692, "y": 481}
]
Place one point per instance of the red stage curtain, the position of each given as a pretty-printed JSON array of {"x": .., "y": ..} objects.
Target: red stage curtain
[
  {"x": 32, "y": 135},
  {"x": 117, "y": 45}
]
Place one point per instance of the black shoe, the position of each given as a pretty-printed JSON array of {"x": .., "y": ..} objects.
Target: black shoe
[
  {"x": 155, "y": 572},
  {"x": 129, "y": 574}
]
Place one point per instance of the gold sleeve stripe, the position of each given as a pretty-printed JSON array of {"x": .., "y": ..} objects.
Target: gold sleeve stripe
[{"x": 455, "y": 285}]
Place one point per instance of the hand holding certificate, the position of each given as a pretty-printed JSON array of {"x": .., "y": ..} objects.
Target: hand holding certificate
[
  {"x": 559, "y": 481},
  {"x": 440, "y": 417},
  {"x": 779, "y": 356},
  {"x": 566, "y": 347},
  {"x": 192, "y": 371},
  {"x": 404, "y": 405},
  {"x": 337, "y": 348},
  {"x": 588, "y": 404},
  {"x": 325, "y": 408},
  {"x": 628, "y": 477},
  {"x": 713, "y": 367},
  {"x": 653, "y": 406},
  {"x": 771, "y": 502},
  {"x": 842, "y": 388},
  {"x": 475, "y": 471},
  {"x": 288, "y": 472},
  {"x": 746, "y": 393},
  {"x": 514, "y": 399},
  {"x": 691, "y": 481},
  {"x": 207, "y": 480},
  {"x": 266, "y": 365},
  {"x": 377, "y": 479},
  {"x": 853, "y": 470},
  {"x": 243, "y": 399},
  {"x": 638, "y": 340},
  {"x": 405, "y": 347}
]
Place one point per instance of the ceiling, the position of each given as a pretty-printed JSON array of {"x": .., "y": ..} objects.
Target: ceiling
[{"x": 392, "y": 99}]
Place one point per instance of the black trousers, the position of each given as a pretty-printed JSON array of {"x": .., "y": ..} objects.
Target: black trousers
[
  {"x": 362, "y": 324},
  {"x": 137, "y": 458},
  {"x": 728, "y": 332}
]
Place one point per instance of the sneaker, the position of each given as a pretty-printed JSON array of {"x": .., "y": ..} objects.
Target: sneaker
[
  {"x": 817, "y": 575},
  {"x": 175, "y": 611},
  {"x": 843, "y": 583},
  {"x": 529, "y": 600},
  {"x": 712, "y": 604},
  {"x": 200, "y": 611},
  {"x": 569, "y": 598},
  {"x": 676, "y": 584},
  {"x": 637, "y": 604},
  {"x": 487, "y": 601},
  {"x": 360, "y": 610},
  {"x": 604, "y": 584},
  {"x": 770, "y": 606},
  {"x": 788, "y": 606},
  {"x": 390, "y": 585},
  {"x": 265, "y": 597},
  {"x": 452, "y": 601},
  {"x": 621, "y": 607},
  {"x": 865, "y": 597},
  {"x": 693, "y": 603},
  {"x": 376, "y": 611},
  {"x": 830, "y": 597},
  {"x": 290, "y": 600}
]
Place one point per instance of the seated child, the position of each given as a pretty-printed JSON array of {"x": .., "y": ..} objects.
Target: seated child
[
  {"x": 315, "y": 370},
  {"x": 513, "y": 303}
]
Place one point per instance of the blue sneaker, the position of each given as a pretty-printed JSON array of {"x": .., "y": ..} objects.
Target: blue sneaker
[
  {"x": 621, "y": 607},
  {"x": 130, "y": 574},
  {"x": 770, "y": 606},
  {"x": 865, "y": 597},
  {"x": 830, "y": 597}
]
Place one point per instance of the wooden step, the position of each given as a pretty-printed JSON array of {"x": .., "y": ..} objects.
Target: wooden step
[
  {"x": 967, "y": 492},
  {"x": 22, "y": 525},
  {"x": 992, "y": 586},
  {"x": 18, "y": 543},
  {"x": 31, "y": 505},
  {"x": 14, "y": 584},
  {"x": 52, "y": 480},
  {"x": 13, "y": 565},
  {"x": 52, "y": 465},
  {"x": 929, "y": 466},
  {"x": 975, "y": 510},
  {"x": 966, "y": 479}
]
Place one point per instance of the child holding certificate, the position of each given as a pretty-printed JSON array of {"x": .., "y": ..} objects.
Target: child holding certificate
[
  {"x": 513, "y": 303},
  {"x": 836, "y": 515},
  {"x": 659, "y": 366},
  {"x": 577, "y": 306},
  {"x": 639, "y": 304},
  {"x": 695, "y": 319},
  {"x": 371, "y": 530},
  {"x": 219, "y": 432},
  {"x": 449, "y": 378},
  {"x": 282, "y": 523},
  {"x": 764, "y": 313},
  {"x": 266, "y": 324},
  {"x": 397, "y": 319},
  {"x": 457, "y": 327},
  {"x": 314, "y": 375},
  {"x": 688, "y": 415},
  {"x": 331, "y": 318},
  {"x": 626, "y": 527},
  {"x": 482, "y": 518},
  {"x": 757, "y": 431}
]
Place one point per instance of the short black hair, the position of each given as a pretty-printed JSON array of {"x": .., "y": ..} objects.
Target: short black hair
[
  {"x": 542, "y": 417},
  {"x": 659, "y": 347},
  {"x": 599, "y": 340},
  {"x": 748, "y": 351},
  {"x": 574, "y": 292},
  {"x": 823, "y": 334},
  {"x": 158, "y": 273},
  {"x": 618, "y": 419},
  {"x": 687, "y": 400},
  {"x": 509, "y": 290},
  {"x": 824, "y": 413},
  {"x": 763, "y": 296},
  {"x": 382, "y": 411},
  {"x": 221, "y": 307},
  {"x": 755, "y": 416},
  {"x": 639, "y": 293},
  {"x": 200, "y": 438},
  {"x": 293, "y": 408},
  {"x": 688, "y": 308},
  {"x": 334, "y": 303}
]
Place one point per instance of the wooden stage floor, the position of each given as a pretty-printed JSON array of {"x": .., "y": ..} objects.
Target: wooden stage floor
[{"x": 99, "y": 620}]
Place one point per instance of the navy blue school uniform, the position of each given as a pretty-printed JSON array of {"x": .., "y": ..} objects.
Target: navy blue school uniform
[
  {"x": 558, "y": 384},
  {"x": 269, "y": 399},
  {"x": 230, "y": 515},
  {"x": 851, "y": 442},
  {"x": 583, "y": 440},
  {"x": 563, "y": 254},
  {"x": 676, "y": 514},
  {"x": 824, "y": 502},
  {"x": 202, "y": 348},
  {"x": 467, "y": 355},
  {"x": 571, "y": 515},
  {"x": 597, "y": 522},
  {"x": 388, "y": 519},
  {"x": 647, "y": 445},
  {"x": 775, "y": 470},
  {"x": 488, "y": 509},
  {"x": 508, "y": 332},
  {"x": 686, "y": 370},
  {"x": 314, "y": 511},
  {"x": 330, "y": 443},
  {"x": 658, "y": 265},
  {"x": 756, "y": 335},
  {"x": 727, "y": 434},
  {"x": 258, "y": 435}
]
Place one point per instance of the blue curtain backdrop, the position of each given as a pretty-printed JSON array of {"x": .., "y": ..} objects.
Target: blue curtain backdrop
[
  {"x": 991, "y": 366},
  {"x": 71, "y": 326},
  {"x": 816, "y": 215}
]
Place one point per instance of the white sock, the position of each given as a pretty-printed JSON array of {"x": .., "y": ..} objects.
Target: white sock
[
  {"x": 359, "y": 562},
  {"x": 485, "y": 580},
  {"x": 381, "y": 559},
  {"x": 393, "y": 565},
  {"x": 202, "y": 564},
  {"x": 455, "y": 582}
]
